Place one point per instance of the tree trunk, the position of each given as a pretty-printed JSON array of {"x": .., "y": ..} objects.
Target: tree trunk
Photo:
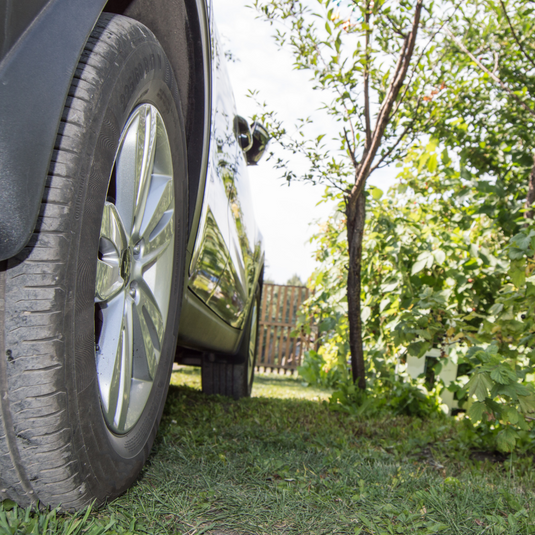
[
  {"x": 356, "y": 218},
  {"x": 528, "y": 214}
]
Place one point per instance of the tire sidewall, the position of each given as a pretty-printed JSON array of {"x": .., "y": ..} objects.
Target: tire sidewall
[{"x": 142, "y": 75}]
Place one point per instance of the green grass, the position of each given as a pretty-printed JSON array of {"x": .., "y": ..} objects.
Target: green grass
[{"x": 279, "y": 463}]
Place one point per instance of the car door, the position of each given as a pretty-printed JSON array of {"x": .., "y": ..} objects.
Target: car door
[{"x": 222, "y": 271}]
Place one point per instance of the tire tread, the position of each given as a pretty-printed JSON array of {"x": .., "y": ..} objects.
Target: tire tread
[{"x": 34, "y": 422}]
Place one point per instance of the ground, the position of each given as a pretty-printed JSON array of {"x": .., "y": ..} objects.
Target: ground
[{"x": 282, "y": 462}]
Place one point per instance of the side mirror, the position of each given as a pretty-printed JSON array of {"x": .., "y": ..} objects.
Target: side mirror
[
  {"x": 243, "y": 133},
  {"x": 259, "y": 145}
]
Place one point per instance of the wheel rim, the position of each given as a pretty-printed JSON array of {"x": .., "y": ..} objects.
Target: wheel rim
[
  {"x": 134, "y": 269},
  {"x": 252, "y": 346}
]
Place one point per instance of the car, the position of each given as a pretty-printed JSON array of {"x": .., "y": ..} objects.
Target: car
[{"x": 128, "y": 240}]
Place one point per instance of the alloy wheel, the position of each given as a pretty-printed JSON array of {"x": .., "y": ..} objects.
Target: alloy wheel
[{"x": 134, "y": 269}]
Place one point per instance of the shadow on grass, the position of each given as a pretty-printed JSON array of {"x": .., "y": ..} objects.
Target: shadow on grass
[
  {"x": 265, "y": 384},
  {"x": 271, "y": 465}
]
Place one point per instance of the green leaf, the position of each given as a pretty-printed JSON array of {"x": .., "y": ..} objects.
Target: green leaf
[
  {"x": 522, "y": 241},
  {"x": 476, "y": 410},
  {"x": 503, "y": 375},
  {"x": 432, "y": 163},
  {"x": 527, "y": 403},
  {"x": 515, "y": 253},
  {"x": 338, "y": 44},
  {"x": 8, "y": 504},
  {"x": 328, "y": 28},
  {"x": 418, "y": 266},
  {"x": 365, "y": 314},
  {"x": 384, "y": 303},
  {"x": 518, "y": 277},
  {"x": 440, "y": 256},
  {"x": 376, "y": 193},
  {"x": 511, "y": 415},
  {"x": 506, "y": 439},
  {"x": 496, "y": 308},
  {"x": 479, "y": 385},
  {"x": 419, "y": 349}
]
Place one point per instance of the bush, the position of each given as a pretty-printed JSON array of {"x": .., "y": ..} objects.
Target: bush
[{"x": 438, "y": 272}]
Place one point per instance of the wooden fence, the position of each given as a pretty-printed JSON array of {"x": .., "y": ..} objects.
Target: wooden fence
[{"x": 277, "y": 350}]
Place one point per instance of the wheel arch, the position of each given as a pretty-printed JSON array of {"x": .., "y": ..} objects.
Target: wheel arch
[
  {"x": 182, "y": 28},
  {"x": 35, "y": 78}
]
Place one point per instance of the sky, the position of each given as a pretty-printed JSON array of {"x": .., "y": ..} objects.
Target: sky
[{"x": 287, "y": 215}]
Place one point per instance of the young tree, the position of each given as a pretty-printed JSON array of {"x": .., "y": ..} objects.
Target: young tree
[{"x": 365, "y": 56}]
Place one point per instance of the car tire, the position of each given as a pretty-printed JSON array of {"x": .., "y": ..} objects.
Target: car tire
[
  {"x": 220, "y": 375},
  {"x": 89, "y": 309}
]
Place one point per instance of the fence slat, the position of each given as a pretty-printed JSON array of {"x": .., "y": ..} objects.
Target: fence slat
[
  {"x": 269, "y": 331},
  {"x": 289, "y": 341},
  {"x": 276, "y": 349},
  {"x": 282, "y": 328}
]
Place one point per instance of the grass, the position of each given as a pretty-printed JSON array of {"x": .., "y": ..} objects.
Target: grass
[{"x": 280, "y": 463}]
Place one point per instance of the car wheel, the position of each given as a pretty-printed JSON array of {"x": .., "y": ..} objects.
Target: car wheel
[
  {"x": 234, "y": 379},
  {"x": 90, "y": 307}
]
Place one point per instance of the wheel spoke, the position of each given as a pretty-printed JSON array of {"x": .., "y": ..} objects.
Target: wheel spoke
[
  {"x": 159, "y": 231},
  {"x": 112, "y": 229},
  {"x": 109, "y": 281},
  {"x": 108, "y": 353},
  {"x": 146, "y": 146},
  {"x": 159, "y": 203},
  {"x": 152, "y": 327},
  {"x": 125, "y": 354},
  {"x": 114, "y": 361}
]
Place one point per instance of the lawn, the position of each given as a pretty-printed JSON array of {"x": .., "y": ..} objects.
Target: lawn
[{"x": 283, "y": 463}]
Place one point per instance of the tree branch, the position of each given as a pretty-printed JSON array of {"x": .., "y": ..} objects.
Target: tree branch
[
  {"x": 367, "y": 78},
  {"x": 351, "y": 153},
  {"x": 528, "y": 57},
  {"x": 395, "y": 29},
  {"x": 411, "y": 76},
  {"x": 528, "y": 214},
  {"x": 492, "y": 75},
  {"x": 398, "y": 140},
  {"x": 398, "y": 78}
]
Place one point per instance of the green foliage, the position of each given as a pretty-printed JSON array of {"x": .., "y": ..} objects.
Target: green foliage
[
  {"x": 349, "y": 48},
  {"x": 438, "y": 272},
  {"x": 447, "y": 259},
  {"x": 387, "y": 395}
]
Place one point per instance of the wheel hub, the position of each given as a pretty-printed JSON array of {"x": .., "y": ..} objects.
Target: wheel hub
[{"x": 126, "y": 262}]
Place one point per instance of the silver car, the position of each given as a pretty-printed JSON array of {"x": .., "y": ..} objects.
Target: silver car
[{"x": 127, "y": 236}]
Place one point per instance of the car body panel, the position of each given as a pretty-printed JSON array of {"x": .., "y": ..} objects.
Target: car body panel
[
  {"x": 17, "y": 17},
  {"x": 224, "y": 266},
  {"x": 36, "y": 69}
]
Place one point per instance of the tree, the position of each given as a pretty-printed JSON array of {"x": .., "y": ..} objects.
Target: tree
[
  {"x": 295, "y": 280},
  {"x": 449, "y": 256},
  {"x": 486, "y": 103},
  {"x": 365, "y": 57}
]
